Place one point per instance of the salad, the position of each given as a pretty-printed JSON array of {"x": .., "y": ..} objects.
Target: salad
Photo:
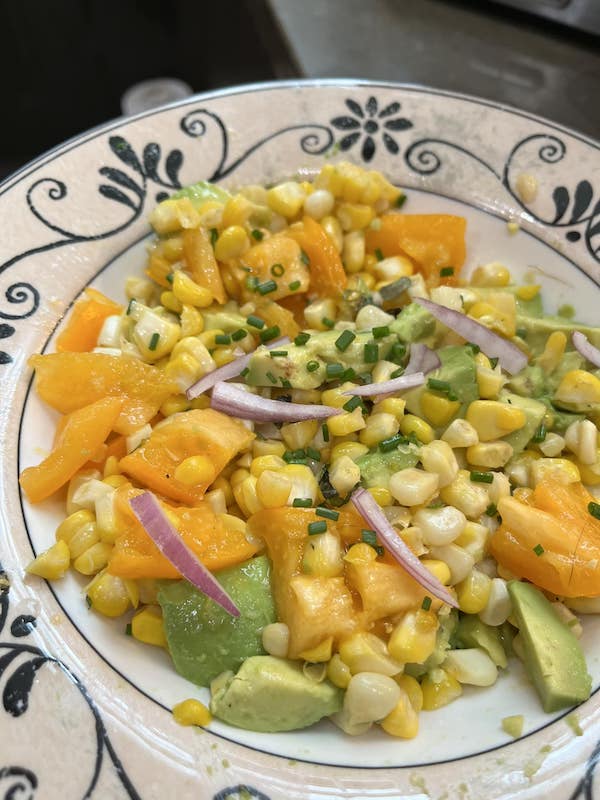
[{"x": 329, "y": 474}]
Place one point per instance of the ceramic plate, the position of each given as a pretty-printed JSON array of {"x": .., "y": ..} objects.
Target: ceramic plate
[{"x": 85, "y": 709}]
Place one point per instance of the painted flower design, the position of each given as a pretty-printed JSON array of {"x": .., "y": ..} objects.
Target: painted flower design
[{"x": 366, "y": 122}]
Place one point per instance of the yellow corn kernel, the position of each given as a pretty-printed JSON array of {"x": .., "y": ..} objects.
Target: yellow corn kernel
[
  {"x": 413, "y": 424},
  {"x": 237, "y": 210},
  {"x": 553, "y": 352},
  {"x": 590, "y": 473},
  {"x": 334, "y": 230},
  {"x": 579, "y": 388},
  {"x": 344, "y": 474},
  {"x": 168, "y": 300},
  {"x": 492, "y": 455},
  {"x": 232, "y": 243},
  {"x": 320, "y": 653},
  {"x": 261, "y": 463},
  {"x": 403, "y": 720},
  {"x": 335, "y": 398},
  {"x": 200, "y": 402},
  {"x": 474, "y": 539},
  {"x": 378, "y": 427},
  {"x": 498, "y": 319},
  {"x": 172, "y": 215},
  {"x": 69, "y": 526},
  {"x": 93, "y": 559},
  {"x": 354, "y": 216},
  {"x": 360, "y": 553},
  {"x": 558, "y": 469},
  {"x": 273, "y": 488},
  {"x": 489, "y": 382},
  {"x": 353, "y": 450},
  {"x": 224, "y": 355},
  {"x": 191, "y": 320},
  {"x": 52, "y": 563},
  {"x": 111, "y": 467},
  {"x": 413, "y": 639},
  {"x": 353, "y": 251},
  {"x": 347, "y": 422},
  {"x": 412, "y": 687},
  {"x": 493, "y": 274},
  {"x": 267, "y": 447},
  {"x": 365, "y": 652},
  {"x": 528, "y": 292},
  {"x": 492, "y": 419},
  {"x": 195, "y": 470},
  {"x": 223, "y": 485},
  {"x": 360, "y": 280},
  {"x": 391, "y": 405},
  {"x": 173, "y": 248},
  {"x": 298, "y": 435},
  {"x": 338, "y": 672},
  {"x": 246, "y": 496},
  {"x": 147, "y": 626},
  {"x": 188, "y": 292},
  {"x": 192, "y": 712},
  {"x": 381, "y": 495},
  {"x": 438, "y": 410},
  {"x": 439, "y": 689},
  {"x": 473, "y": 593},
  {"x": 174, "y": 405},
  {"x": 439, "y": 569},
  {"x": 82, "y": 538},
  {"x": 238, "y": 476},
  {"x": 286, "y": 199},
  {"x": 110, "y": 596}
]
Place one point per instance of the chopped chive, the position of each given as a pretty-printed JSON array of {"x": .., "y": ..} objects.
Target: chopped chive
[
  {"x": 258, "y": 235},
  {"x": 312, "y": 366},
  {"x": 301, "y": 339},
  {"x": 371, "y": 353},
  {"x": 328, "y": 513},
  {"x": 304, "y": 258},
  {"x": 426, "y": 604},
  {"x": 245, "y": 371},
  {"x": 349, "y": 375},
  {"x": 387, "y": 445},
  {"x": 397, "y": 373},
  {"x": 88, "y": 601},
  {"x": 334, "y": 370},
  {"x": 130, "y": 305},
  {"x": 482, "y": 477},
  {"x": 128, "y": 629},
  {"x": 255, "y": 322},
  {"x": 317, "y": 527},
  {"x": 154, "y": 340},
  {"x": 285, "y": 383},
  {"x": 214, "y": 235},
  {"x": 246, "y": 269},
  {"x": 329, "y": 323},
  {"x": 222, "y": 338},
  {"x": 170, "y": 277},
  {"x": 302, "y": 502},
  {"x": 241, "y": 333},
  {"x": 266, "y": 287},
  {"x": 445, "y": 272},
  {"x": 313, "y": 454},
  {"x": 293, "y": 286},
  {"x": 494, "y": 362},
  {"x": 270, "y": 333},
  {"x": 438, "y": 385},
  {"x": 491, "y": 510},
  {"x": 368, "y": 537},
  {"x": 594, "y": 509},
  {"x": 474, "y": 348},
  {"x": 271, "y": 377},
  {"x": 353, "y": 403},
  {"x": 540, "y": 434},
  {"x": 378, "y": 254},
  {"x": 251, "y": 283},
  {"x": 521, "y": 333},
  {"x": 397, "y": 353},
  {"x": 344, "y": 340},
  {"x": 277, "y": 270},
  {"x": 292, "y": 455},
  {"x": 325, "y": 432},
  {"x": 278, "y": 353},
  {"x": 538, "y": 549},
  {"x": 379, "y": 331},
  {"x": 400, "y": 200}
]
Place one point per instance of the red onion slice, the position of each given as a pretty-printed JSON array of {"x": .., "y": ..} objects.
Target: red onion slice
[
  {"x": 587, "y": 350},
  {"x": 236, "y": 402},
  {"x": 389, "y": 387},
  {"x": 158, "y": 527},
  {"x": 422, "y": 359},
  {"x": 511, "y": 358},
  {"x": 227, "y": 371},
  {"x": 367, "y": 506}
]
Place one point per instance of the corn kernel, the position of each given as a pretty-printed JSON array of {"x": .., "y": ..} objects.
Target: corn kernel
[
  {"x": 172, "y": 215},
  {"x": 267, "y": 447},
  {"x": 439, "y": 688},
  {"x": 192, "y": 712},
  {"x": 381, "y": 495},
  {"x": 439, "y": 569},
  {"x": 438, "y": 410},
  {"x": 473, "y": 593},
  {"x": 438, "y": 458},
  {"x": 353, "y": 254},
  {"x": 558, "y": 469},
  {"x": 276, "y": 639},
  {"x": 260, "y": 463},
  {"x": 413, "y": 424},
  {"x": 319, "y": 203},
  {"x": 553, "y": 352},
  {"x": 527, "y": 187},
  {"x": 336, "y": 397},
  {"x": 344, "y": 474},
  {"x": 491, "y": 455},
  {"x": 403, "y": 720},
  {"x": 347, "y": 422},
  {"x": 111, "y": 467},
  {"x": 333, "y": 229},
  {"x": 379, "y": 426},
  {"x": 93, "y": 559},
  {"x": 492, "y": 274},
  {"x": 246, "y": 496},
  {"x": 412, "y": 687},
  {"x": 286, "y": 199},
  {"x": 52, "y": 563},
  {"x": 413, "y": 639},
  {"x": 189, "y": 293},
  {"x": 390, "y": 405},
  {"x": 273, "y": 489},
  {"x": 353, "y": 450},
  {"x": 579, "y": 388},
  {"x": 365, "y": 652},
  {"x": 528, "y": 292},
  {"x": 168, "y": 300},
  {"x": 237, "y": 211},
  {"x": 195, "y": 470},
  {"x": 489, "y": 382},
  {"x": 298, "y": 435},
  {"x": 320, "y": 653},
  {"x": 354, "y": 216},
  {"x": 109, "y": 595},
  {"x": 191, "y": 321},
  {"x": 69, "y": 526},
  {"x": 413, "y": 487},
  {"x": 492, "y": 419},
  {"x": 360, "y": 553},
  {"x": 498, "y": 319},
  {"x": 173, "y": 248},
  {"x": 320, "y": 310},
  {"x": 474, "y": 540},
  {"x": 338, "y": 672},
  {"x": 147, "y": 626},
  {"x": 460, "y": 433},
  {"x": 232, "y": 243}
]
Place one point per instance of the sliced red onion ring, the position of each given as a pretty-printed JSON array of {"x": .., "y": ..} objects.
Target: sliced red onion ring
[
  {"x": 422, "y": 359},
  {"x": 158, "y": 527},
  {"x": 587, "y": 350},
  {"x": 367, "y": 506},
  {"x": 227, "y": 371},
  {"x": 511, "y": 358},
  {"x": 388, "y": 387},
  {"x": 236, "y": 402}
]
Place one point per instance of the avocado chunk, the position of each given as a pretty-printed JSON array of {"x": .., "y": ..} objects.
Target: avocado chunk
[
  {"x": 202, "y": 191},
  {"x": 376, "y": 468},
  {"x": 534, "y": 412},
  {"x": 531, "y": 308},
  {"x": 458, "y": 368},
  {"x": 529, "y": 382},
  {"x": 413, "y": 323},
  {"x": 271, "y": 694},
  {"x": 536, "y": 330},
  {"x": 554, "y": 659},
  {"x": 203, "y": 639},
  {"x": 472, "y": 632}
]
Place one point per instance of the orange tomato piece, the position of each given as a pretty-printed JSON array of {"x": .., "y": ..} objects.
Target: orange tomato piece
[
  {"x": 86, "y": 321},
  {"x": 277, "y": 258},
  {"x": 432, "y": 241},
  {"x": 82, "y": 433},
  {"x": 200, "y": 260},
  {"x": 197, "y": 432},
  {"x": 217, "y": 544},
  {"x": 568, "y": 563},
  {"x": 327, "y": 275},
  {"x": 68, "y": 381},
  {"x": 274, "y": 314}
]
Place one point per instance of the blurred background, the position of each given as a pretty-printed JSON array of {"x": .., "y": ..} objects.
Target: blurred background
[{"x": 72, "y": 64}]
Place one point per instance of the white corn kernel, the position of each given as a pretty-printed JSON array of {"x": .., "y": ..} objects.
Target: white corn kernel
[
  {"x": 440, "y": 526},
  {"x": 460, "y": 433},
  {"x": 344, "y": 474},
  {"x": 370, "y": 697},
  {"x": 319, "y": 203},
  {"x": 317, "y": 311},
  {"x": 437, "y": 457},
  {"x": 491, "y": 455},
  {"x": 413, "y": 487},
  {"x": 276, "y": 639},
  {"x": 471, "y": 498},
  {"x": 448, "y": 296},
  {"x": 472, "y": 666},
  {"x": 553, "y": 445},
  {"x": 353, "y": 253},
  {"x": 135, "y": 439},
  {"x": 371, "y": 317},
  {"x": 499, "y": 607},
  {"x": 390, "y": 269},
  {"x": 457, "y": 558},
  {"x": 498, "y": 488},
  {"x": 581, "y": 438}
]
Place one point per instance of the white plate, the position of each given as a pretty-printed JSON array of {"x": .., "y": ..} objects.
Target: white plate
[{"x": 86, "y": 709}]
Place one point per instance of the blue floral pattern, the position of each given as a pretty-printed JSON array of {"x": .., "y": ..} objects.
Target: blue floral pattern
[{"x": 365, "y": 123}]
